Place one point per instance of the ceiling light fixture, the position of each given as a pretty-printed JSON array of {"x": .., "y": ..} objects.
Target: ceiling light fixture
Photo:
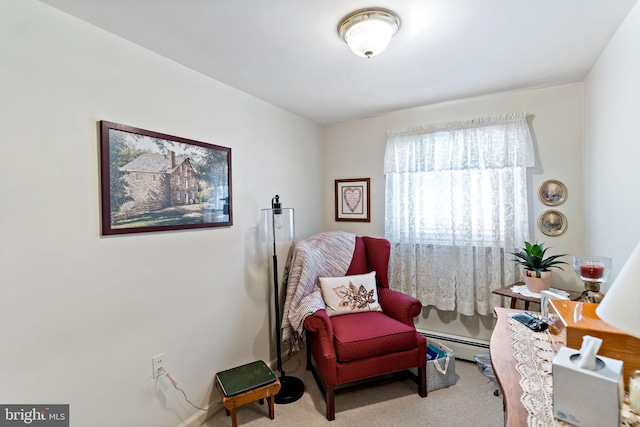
[{"x": 369, "y": 31}]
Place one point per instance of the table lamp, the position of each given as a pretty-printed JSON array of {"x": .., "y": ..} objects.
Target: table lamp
[
  {"x": 619, "y": 308},
  {"x": 593, "y": 271},
  {"x": 278, "y": 222},
  {"x": 621, "y": 305}
]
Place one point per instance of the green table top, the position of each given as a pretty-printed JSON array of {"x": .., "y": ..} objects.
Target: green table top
[{"x": 244, "y": 378}]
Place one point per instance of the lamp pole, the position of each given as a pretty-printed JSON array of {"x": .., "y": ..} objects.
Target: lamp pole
[
  {"x": 276, "y": 209},
  {"x": 291, "y": 388}
]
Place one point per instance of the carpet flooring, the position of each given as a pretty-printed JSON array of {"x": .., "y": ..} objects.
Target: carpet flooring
[{"x": 470, "y": 402}]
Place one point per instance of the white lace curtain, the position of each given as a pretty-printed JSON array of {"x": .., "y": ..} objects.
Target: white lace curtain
[{"x": 456, "y": 206}]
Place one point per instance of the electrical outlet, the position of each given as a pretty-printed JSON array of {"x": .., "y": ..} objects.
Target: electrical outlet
[{"x": 157, "y": 364}]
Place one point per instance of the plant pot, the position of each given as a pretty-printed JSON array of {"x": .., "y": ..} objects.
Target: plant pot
[{"x": 537, "y": 284}]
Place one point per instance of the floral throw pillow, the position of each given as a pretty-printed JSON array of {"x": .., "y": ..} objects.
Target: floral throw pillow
[{"x": 350, "y": 294}]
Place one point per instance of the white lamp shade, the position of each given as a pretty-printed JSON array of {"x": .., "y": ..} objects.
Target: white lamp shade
[
  {"x": 369, "y": 31},
  {"x": 369, "y": 38},
  {"x": 620, "y": 306}
]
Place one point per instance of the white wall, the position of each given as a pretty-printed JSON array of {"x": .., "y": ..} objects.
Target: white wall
[
  {"x": 81, "y": 315},
  {"x": 356, "y": 150},
  {"x": 612, "y": 147}
]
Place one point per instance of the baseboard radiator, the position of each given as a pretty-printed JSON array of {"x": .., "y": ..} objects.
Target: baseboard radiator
[{"x": 463, "y": 347}]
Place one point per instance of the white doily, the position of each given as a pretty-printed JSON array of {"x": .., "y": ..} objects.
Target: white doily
[
  {"x": 534, "y": 356},
  {"x": 523, "y": 290}
]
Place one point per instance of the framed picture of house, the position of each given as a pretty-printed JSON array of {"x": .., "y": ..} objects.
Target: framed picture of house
[
  {"x": 352, "y": 199},
  {"x": 157, "y": 182}
]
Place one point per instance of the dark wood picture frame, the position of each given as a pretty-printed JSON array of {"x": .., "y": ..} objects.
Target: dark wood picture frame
[
  {"x": 151, "y": 181},
  {"x": 353, "y": 199}
]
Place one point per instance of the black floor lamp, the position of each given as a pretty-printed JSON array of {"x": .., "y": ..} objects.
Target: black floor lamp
[{"x": 280, "y": 227}]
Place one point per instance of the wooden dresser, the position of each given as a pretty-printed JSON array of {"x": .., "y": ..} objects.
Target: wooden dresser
[
  {"x": 571, "y": 320},
  {"x": 504, "y": 367}
]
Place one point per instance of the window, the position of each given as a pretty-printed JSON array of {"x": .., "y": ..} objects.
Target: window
[
  {"x": 456, "y": 206},
  {"x": 153, "y": 177}
]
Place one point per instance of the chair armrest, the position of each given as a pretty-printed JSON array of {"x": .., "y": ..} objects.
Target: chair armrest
[
  {"x": 320, "y": 340},
  {"x": 401, "y": 307},
  {"x": 319, "y": 323}
]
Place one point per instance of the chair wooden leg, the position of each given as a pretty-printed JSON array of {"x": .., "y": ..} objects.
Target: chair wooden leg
[
  {"x": 272, "y": 411},
  {"x": 308, "y": 358},
  {"x": 234, "y": 418},
  {"x": 330, "y": 397},
  {"x": 422, "y": 381}
]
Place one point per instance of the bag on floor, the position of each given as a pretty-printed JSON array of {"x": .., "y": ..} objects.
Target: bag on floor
[{"x": 441, "y": 371}]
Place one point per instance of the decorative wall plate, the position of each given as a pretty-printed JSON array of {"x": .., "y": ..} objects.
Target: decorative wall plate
[
  {"x": 552, "y": 192},
  {"x": 552, "y": 222}
]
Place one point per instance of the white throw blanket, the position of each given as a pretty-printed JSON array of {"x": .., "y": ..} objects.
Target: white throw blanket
[{"x": 326, "y": 254}]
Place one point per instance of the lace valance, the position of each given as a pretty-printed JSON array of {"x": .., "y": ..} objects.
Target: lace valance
[{"x": 484, "y": 143}]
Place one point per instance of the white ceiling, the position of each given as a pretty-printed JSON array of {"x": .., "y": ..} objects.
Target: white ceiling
[{"x": 289, "y": 53}]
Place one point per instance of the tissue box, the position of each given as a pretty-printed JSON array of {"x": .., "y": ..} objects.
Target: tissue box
[
  {"x": 571, "y": 320},
  {"x": 586, "y": 398}
]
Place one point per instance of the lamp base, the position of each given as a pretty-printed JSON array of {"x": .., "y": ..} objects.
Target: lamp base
[
  {"x": 591, "y": 296},
  {"x": 592, "y": 293},
  {"x": 291, "y": 389}
]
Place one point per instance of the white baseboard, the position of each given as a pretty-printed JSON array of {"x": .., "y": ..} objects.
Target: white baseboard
[
  {"x": 197, "y": 419},
  {"x": 464, "y": 348}
]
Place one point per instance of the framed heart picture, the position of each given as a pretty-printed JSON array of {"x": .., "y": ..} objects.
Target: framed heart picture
[{"x": 352, "y": 199}]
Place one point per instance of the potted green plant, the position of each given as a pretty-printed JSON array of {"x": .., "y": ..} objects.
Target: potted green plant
[{"x": 536, "y": 269}]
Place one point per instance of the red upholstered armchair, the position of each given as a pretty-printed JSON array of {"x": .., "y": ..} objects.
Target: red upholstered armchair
[{"x": 358, "y": 346}]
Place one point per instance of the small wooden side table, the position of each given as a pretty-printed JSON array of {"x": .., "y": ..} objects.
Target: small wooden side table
[
  {"x": 515, "y": 296},
  {"x": 245, "y": 384}
]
